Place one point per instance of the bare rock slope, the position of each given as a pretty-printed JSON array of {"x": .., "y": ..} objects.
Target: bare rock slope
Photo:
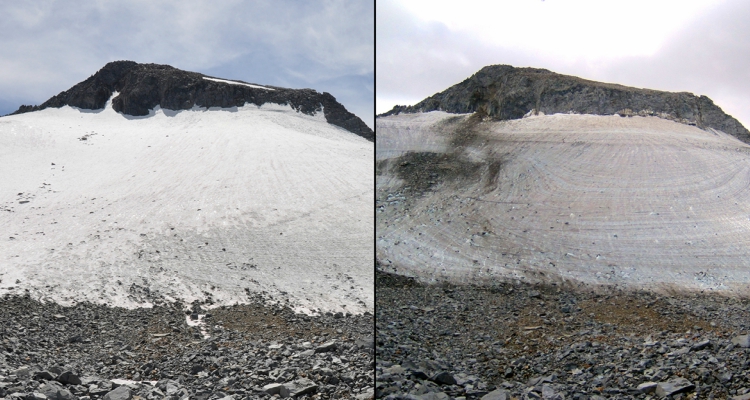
[
  {"x": 503, "y": 92},
  {"x": 142, "y": 87}
]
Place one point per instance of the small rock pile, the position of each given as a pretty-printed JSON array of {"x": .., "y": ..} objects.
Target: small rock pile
[
  {"x": 516, "y": 340},
  {"x": 251, "y": 351}
]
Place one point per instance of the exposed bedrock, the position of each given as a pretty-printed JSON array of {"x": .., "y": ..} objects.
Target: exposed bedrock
[
  {"x": 142, "y": 87},
  {"x": 503, "y": 92}
]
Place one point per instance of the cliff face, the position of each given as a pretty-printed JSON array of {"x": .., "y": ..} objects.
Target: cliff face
[
  {"x": 503, "y": 92},
  {"x": 142, "y": 87}
]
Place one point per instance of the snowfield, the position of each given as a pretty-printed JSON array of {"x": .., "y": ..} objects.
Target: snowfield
[
  {"x": 641, "y": 202},
  {"x": 237, "y": 83},
  {"x": 183, "y": 205}
]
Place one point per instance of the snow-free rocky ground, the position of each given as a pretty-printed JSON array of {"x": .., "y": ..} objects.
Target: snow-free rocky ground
[
  {"x": 515, "y": 340},
  {"x": 125, "y": 243},
  {"x": 247, "y": 351}
]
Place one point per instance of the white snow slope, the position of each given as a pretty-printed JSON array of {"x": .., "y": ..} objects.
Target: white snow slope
[
  {"x": 639, "y": 202},
  {"x": 237, "y": 83},
  {"x": 103, "y": 207}
]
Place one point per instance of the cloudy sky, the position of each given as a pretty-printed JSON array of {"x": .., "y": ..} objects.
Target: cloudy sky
[
  {"x": 424, "y": 47},
  {"x": 48, "y": 46}
]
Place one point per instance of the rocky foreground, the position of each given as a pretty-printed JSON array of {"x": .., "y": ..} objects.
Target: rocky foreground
[
  {"x": 521, "y": 341},
  {"x": 88, "y": 351}
]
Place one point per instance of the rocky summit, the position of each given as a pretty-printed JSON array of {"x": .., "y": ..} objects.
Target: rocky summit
[
  {"x": 142, "y": 87},
  {"x": 503, "y": 92}
]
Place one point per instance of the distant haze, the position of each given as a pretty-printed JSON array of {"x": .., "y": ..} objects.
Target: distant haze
[
  {"x": 692, "y": 46},
  {"x": 48, "y": 46}
]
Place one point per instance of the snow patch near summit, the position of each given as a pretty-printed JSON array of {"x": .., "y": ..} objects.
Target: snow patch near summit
[{"x": 236, "y": 83}]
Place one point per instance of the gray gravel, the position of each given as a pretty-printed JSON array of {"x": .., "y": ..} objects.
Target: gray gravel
[
  {"x": 254, "y": 351},
  {"x": 524, "y": 341}
]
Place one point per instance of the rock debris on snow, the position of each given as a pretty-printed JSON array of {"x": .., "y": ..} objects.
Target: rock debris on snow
[{"x": 640, "y": 202}]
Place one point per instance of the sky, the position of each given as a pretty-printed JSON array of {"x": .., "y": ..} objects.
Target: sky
[
  {"x": 424, "y": 47},
  {"x": 328, "y": 45}
]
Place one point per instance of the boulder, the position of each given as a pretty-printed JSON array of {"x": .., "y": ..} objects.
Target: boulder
[
  {"x": 276, "y": 388},
  {"x": 673, "y": 387},
  {"x": 301, "y": 387},
  {"x": 121, "y": 393},
  {"x": 55, "y": 391},
  {"x": 498, "y": 394},
  {"x": 700, "y": 345},
  {"x": 69, "y": 378},
  {"x": 742, "y": 341},
  {"x": 647, "y": 387},
  {"x": 325, "y": 347},
  {"x": 43, "y": 375},
  {"x": 443, "y": 378}
]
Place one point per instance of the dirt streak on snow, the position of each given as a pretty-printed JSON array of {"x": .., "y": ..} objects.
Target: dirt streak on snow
[
  {"x": 187, "y": 205},
  {"x": 640, "y": 202}
]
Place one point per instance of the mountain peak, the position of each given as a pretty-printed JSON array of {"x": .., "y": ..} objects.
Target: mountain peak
[
  {"x": 142, "y": 87},
  {"x": 504, "y": 92}
]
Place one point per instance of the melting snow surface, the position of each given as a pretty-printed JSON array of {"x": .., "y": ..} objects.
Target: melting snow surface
[
  {"x": 196, "y": 204},
  {"x": 639, "y": 202},
  {"x": 200, "y": 323},
  {"x": 237, "y": 83},
  {"x": 131, "y": 382}
]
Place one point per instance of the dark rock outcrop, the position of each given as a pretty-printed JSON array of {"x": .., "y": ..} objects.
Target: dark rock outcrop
[
  {"x": 503, "y": 92},
  {"x": 142, "y": 87}
]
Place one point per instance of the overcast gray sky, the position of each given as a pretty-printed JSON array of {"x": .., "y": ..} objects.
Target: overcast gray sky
[
  {"x": 424, "y": 47},
  {"x": 48, "y": 46}
]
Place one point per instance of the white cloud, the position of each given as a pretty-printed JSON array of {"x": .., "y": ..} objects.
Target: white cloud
[{"x": 568, "y": 29}]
